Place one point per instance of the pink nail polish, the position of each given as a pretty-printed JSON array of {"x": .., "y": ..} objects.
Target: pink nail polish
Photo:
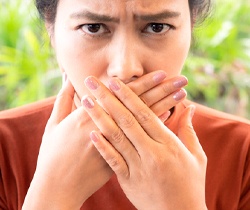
[
  {"x": 165, "y": 116},
  {"x": 180, "y": 82},
  {"x": 94, "y": 137},
  {"x": 87, "y": 102},
  {"x": 180, "y": 95},
  {"x": 91, "y": 83},
  {"x": 159, "y": 77},
  {"x": 114, "y": 85}
]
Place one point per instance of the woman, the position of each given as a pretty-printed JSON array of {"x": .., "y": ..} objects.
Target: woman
[{"x": 120, "y": 134}]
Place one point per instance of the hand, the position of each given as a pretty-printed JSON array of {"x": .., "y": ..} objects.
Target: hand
[
  {"x": 159, "y": 93},
  {"x": 67, "y": 149},
  {"x": 155, "y": 168},
  {"x": 69, "y": 168}
]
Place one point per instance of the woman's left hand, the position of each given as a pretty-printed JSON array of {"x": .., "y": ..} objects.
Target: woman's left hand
[{"x": 155, "y": 168}]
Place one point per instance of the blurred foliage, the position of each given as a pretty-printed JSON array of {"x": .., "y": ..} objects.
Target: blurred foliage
[
  {"x": 26, "y": 60},
  {"x": 218, "y": 67}
]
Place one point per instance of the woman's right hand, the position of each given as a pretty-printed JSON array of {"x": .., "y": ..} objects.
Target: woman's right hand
[{"x": 69, "y": 168}]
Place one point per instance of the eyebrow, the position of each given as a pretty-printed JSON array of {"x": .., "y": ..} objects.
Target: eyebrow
[
  {"x": 166, "y": 14},
  {"x": 94, "y": 17}
]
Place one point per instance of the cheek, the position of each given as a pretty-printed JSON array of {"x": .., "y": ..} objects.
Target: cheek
[
  {"x": 178, "y": 52},
  {"x": 78, "y": 61},
  {"x": 170, "y": 57}
]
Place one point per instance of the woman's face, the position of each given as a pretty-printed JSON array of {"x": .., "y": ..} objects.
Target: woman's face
[{"x": 120, "y": 38}]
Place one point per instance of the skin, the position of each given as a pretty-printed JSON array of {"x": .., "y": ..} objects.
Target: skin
[
  {"x": 127, "y": 78},
  {"x": 123, "y": 47}
]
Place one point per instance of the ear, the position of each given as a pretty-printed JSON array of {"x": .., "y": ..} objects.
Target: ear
[{"x": 50, "y": 31}]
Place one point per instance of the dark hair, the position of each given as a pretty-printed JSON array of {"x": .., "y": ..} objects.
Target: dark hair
[{"x": 199, "y": 9}]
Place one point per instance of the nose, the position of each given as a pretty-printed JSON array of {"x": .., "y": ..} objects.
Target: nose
[{"x": 124, "y": 60}]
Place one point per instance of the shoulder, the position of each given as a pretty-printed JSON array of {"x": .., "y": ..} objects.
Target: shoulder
[
  {"x": 25, "y": 121},
  {"x": 225, "y": 139},
  {"x": 221, "y": 131},
  {"x": 28, "y": 110},
  {"x": 207, "y": 116},
  {"x": 21, "y": 131},
  {"x": 22, "y": 128}
]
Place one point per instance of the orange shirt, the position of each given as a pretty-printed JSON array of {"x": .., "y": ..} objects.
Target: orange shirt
[{"x": 224, "y": 138}]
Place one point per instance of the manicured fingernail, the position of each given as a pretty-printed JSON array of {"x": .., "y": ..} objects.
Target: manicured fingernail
[
  {"x": 165, "y": 116},
  {"x": 87, "y": 102},
  {"x": 94, "y": 137},
  {"x": 180, "y": 82},
  {"x": 114, "y": 85},
  {"x": 91, "y": 83},
  {"x": 159, "y": 77},
  {"x": 180, "y": 95},
  {"x": 65, "y": 77}
]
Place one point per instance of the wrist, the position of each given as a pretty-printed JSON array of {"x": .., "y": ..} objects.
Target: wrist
[{"x": 41, "y": 196}]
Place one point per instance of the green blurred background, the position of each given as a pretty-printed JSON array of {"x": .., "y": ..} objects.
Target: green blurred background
[{"x": 218, "y": 67}]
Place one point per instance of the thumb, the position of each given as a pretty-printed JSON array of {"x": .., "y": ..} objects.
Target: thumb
[
  {"x": 63, "y": 104},
  {"x": 186, "y": 131}
]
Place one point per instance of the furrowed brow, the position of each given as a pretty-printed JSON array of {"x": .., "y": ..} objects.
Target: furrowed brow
[
  {"x": 93, "y": 16},
  {"x": 158, "y": 16}
]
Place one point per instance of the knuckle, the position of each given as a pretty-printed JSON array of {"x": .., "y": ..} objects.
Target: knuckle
[
  {"x": 114, "y": 163},
  {"x": 126, "y": 95},
  {"x": 146, "y": 84},
  {"x": 102, "y": 96},
  {"x": 117, "y": 166},
  {"x": 144, "y": 116},
  {"x": 118, "y": 136},
  {"x": 166, "y": 89},
  {"x": 126, "y": 120}
]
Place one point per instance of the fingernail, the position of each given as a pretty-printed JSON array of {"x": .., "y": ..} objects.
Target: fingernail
[
  {"x": 87, "y": 102},
  {"x": 180, "y": 95},
  {"x": 94, "y": 137},
  {"x": 91, "y": 83},
  {"x": 165, "y": 116},
  {"x": 192, "y": 111},
  {"x": 64, "y": 78},
  {"x": 180, "y": 82},
  {"x": 114, "y": 85},
  {"x": 159, "y": 77}
]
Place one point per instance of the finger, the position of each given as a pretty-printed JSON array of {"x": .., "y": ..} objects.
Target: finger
[
  {"x": 163, "y": 90},
  {"x": 165, "y": 116},
  {"x": 119, "y": 113},
  {"x": 143, "y": 114},
  {"x": 110, "y": 155},
  {"x": 186, "y": 132},
  {"x": 148, "y": 81},
  {"x": 168, "y": 102},
  {"x": 63, "y": 104},
  {"x": 109, "y": 128}
]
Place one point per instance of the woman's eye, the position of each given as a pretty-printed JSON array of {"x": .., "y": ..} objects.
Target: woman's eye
[
  {"x": 157, "y": 28},
  {"x": 94, "y": 29}
]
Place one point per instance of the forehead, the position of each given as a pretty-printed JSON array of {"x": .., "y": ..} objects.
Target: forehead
[{"x": 119, "y": 7}]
